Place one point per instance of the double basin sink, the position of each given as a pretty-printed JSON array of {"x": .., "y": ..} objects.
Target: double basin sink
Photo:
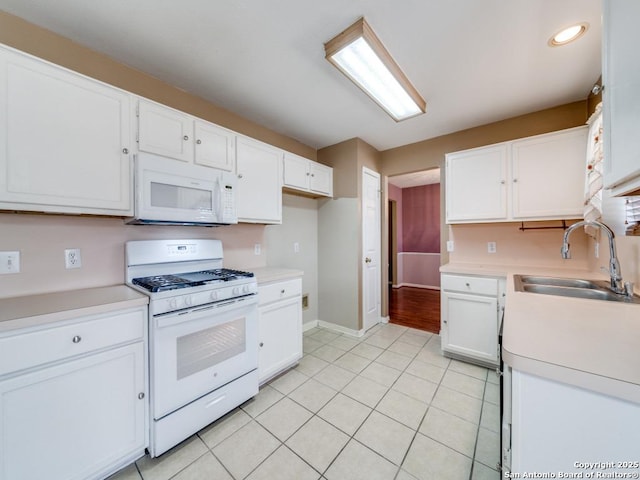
[{"x": 571, "y": 287}]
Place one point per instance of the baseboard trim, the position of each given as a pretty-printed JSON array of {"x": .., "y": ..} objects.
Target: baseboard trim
[
  {"x": 417, "y": 285},
  {"x": 340, "y": 328}
]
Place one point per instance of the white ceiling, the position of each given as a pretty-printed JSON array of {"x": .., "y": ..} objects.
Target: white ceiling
[
  {"x": 416, "y": 179},
  {"x": 474, "y": 61}
]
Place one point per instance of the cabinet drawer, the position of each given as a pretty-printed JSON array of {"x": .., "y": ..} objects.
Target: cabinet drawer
[
  {"x": 21, "y": 351},
  {"x": 279, "y": 291},
  {"x": 478, "y": 285}
]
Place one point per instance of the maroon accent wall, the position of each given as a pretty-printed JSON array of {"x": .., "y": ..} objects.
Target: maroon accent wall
[{"x": 421, "y": 219}]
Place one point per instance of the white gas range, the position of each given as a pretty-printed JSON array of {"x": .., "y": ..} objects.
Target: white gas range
[{"x": 203, "y": 338}]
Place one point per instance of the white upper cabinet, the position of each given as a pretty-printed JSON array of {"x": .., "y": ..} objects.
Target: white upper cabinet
[
  {"x": 548, "y": 174},
  {"x": 259, "y": 197},
  {"x": 476, "y": 185},
  {"x": 66, "y": 140},
  {"x": 165, "y": 131},
  {"x": 178, "y": 135},
  {"x": 215, "y": 146},
  {"x": 307, "y": 176},
  {"x": 621, "y": 100},
  {"x": 535, "y": 178}
]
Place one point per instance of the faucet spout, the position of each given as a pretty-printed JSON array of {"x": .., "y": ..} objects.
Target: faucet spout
[{"x": 614, "y": 265}]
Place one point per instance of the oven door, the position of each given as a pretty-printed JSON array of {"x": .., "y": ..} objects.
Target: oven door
[{"x": 198, "y": 350}]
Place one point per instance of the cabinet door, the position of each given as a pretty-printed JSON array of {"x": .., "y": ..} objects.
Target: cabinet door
[
  {"x": 215, "y": 146},
  {"x": 476, "y": 187},
  {"x": 621, "y": 101},
  {"x": 548, "y": 174},
  {"x": 165, "y": 131},
  {"x": 75, "y": 420},
  {"x": 65, "y": 140},
  {"x": 321, "y": 179},
  {"x": 259, "y": 191},
  {"x": 280, "y": 334},
  {"x": 470, "y": 326},
  {"x": 296, "y": 171}
]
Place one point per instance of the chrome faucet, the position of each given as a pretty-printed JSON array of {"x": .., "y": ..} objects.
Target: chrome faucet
[{"x": 617, "y": 285}]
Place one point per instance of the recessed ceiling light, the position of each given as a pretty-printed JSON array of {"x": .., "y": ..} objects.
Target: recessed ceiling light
[{"x": 568, "y": 34}]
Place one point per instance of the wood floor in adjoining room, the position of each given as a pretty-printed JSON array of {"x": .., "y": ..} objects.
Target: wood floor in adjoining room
[{"x": 415, "y": 307}]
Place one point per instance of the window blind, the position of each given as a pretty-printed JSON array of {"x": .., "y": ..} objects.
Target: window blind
[{"x": 632, "y": 215}]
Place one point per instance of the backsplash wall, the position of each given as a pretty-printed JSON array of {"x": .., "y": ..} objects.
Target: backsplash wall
[
  {"x": 516, "y": 247},
  {"x": 42, "y": 239}
]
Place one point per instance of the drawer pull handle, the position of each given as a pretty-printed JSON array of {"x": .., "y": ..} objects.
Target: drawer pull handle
[
  {"x": 76, "y": 339},
  {"x": 282, "y": 291},
  {"x": 141, "y": 395}
]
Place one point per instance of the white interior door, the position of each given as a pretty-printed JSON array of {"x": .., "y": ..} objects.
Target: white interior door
[{"x": 370, "y": 248}]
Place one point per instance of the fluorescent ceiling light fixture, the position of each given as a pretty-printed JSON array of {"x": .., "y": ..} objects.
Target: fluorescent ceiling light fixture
[
  {"x": 568, "y": 34},
  {"x": 359, "y": 54}
]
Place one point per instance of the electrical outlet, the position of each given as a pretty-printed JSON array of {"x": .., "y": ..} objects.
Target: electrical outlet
[
  {"x": 449, "y": 245},
  {"x": 491, "y": 247},
  {"x": 9, "y": 262},
  {"x": 296, "y": 247},
  {"x": 72, "y": 258},
  {"x": 596, "y": 249},
  {"x": 257, "y": 249}
]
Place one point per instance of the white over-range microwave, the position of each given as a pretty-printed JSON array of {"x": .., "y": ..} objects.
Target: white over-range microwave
[{"x": 170, "y": 192}]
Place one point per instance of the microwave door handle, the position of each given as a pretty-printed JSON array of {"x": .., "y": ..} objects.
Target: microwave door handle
[{"x": 217, "y": 200}]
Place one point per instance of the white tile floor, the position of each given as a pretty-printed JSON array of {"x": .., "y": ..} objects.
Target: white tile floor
[{"x": 387, "y": 406}]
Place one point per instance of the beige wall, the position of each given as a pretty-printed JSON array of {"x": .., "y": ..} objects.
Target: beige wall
[
  {"x": 42, "y": 239},
  {"x": 299, "y": 225}
]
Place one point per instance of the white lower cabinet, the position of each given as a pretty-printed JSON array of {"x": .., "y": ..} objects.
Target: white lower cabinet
[
  {"x": 76, "y": 412},
  {"x": 279, "y": 327},
  {"x": 470, "y": 317},
  {"x": 594, "y": 428}
]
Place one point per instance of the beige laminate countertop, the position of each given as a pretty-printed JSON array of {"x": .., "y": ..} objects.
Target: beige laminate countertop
[
  {"x": 275, "y": 274},
  {"x": 592, "y": 344},
  {"x": 36, "y": 310}
]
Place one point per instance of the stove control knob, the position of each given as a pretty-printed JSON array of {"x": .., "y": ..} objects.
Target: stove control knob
[
  {"x": 214, "y": 295},
  {"x": 173, "y": 303},
  {"x": 235, "y": 291},
  {"x": 188, "y": 301},
  {"x": 245, "y": 289}
]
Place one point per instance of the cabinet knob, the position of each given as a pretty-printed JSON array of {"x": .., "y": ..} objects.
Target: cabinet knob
[
  {"x": 467, "y": 284},
  {"x": 282, "y": 292},
  {"x": 239, "y": 175},
  {"x": 125, "y": 151},
  {"x": 186, "y": 137},
  {"x": 308, "y": 174},
  {"x": 313, "y": 174},
  {"x": 515, "y": 180},
  {"x": 76, "y": 339},
  {"x": 502, "y": 182},
  {"x": 198, "y": 141},
  {"x": 141, "y": 395},
  {"x": 367, "y": 260},
  {"x": 262, "y": 344}
]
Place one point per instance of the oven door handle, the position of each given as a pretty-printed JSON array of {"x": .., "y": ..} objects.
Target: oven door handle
[{"x": 182, "y": 316}]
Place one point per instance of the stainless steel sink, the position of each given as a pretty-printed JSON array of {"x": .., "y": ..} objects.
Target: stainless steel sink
[
  {"x": 561, "y": 282},
  {"x": 570, "y": 287}
]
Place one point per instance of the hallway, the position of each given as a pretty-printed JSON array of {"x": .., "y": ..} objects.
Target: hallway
[{"x": 415, "y": 308}]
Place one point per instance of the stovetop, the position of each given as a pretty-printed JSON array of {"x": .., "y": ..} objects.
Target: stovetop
[{"x": 161, "y": 283}]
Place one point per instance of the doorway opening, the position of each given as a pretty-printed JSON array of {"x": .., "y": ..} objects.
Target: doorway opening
[{"x": 414, "y": 250}]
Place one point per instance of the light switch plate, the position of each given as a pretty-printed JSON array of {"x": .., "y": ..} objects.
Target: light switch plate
[
  {"x": 9, "y": 262},
  {"x": 449, "y": 245},
  {"x": 491, "y": 247}
]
